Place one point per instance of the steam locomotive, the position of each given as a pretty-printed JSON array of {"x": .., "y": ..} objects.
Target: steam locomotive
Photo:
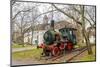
[{"x": 56, "y": 42}]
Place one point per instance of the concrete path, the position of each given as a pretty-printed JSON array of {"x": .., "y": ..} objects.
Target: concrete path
[{"x": 22, "y": 49}]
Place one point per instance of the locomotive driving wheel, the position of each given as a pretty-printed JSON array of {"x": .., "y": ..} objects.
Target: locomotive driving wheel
[
  {"x": 69, "y": 46},
  {"x": 55, "y": 51}
]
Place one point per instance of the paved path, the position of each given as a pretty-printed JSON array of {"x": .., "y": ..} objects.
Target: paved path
[
  {"x": 16, "y": 62},
  {"x": 22, "y": 49}
]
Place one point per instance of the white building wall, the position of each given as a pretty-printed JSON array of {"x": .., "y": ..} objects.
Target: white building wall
[
  {"x": 26, "y": 36},
  {"x": 92, "y": 39},
  {"x": 37, "y": 35},
  {"x": 40, "y": 38}
]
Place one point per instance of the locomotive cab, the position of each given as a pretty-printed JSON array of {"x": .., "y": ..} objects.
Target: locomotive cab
[{"x": 67, "y": 34}]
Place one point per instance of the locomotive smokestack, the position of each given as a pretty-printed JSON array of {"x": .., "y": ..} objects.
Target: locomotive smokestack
[{"x": 52, "y": 24}]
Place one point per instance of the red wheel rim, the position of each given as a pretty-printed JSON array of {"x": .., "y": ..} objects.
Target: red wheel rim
[
  {"x": 61, "y": 47},
  {"x": 69, "y": 46},
  {"x": 55, "y": 51}
]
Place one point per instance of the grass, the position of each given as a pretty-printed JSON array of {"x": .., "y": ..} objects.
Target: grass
[
  {"x": 20, "y": 46},
  {"x": 29, "y": 54},
  {"x": 90, "y": 57},
  {"x": 79, "y": 45},
  {"x": 17, "y": 46}
]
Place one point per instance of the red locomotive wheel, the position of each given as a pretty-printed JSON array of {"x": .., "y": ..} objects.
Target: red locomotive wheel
[
  {"x": 55, "y": 51},
  {"x": 69, "y": 46},
  {"x": 42, "y": 46},
  {"x": 61, "y": 47}
]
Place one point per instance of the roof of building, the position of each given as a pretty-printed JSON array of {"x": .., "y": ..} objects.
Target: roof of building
[{"x": 57, "y": 25}]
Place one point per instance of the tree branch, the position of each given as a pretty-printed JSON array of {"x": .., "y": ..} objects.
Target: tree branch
[
  {"x": 46, "y": 13},
  {"x": 84, "y": 16},
  {"x": 68, "y": 15},
  {"x": 20, "y": 12},
  {"x": 90, "y": 16}
]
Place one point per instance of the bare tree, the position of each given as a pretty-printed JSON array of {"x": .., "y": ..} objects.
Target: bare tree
[{"x": 22, "y": 25}]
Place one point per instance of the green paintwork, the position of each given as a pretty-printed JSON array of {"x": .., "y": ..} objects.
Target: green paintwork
[
  {"x": 68, "y": 32},
  {"x": 49, "y": 36}
]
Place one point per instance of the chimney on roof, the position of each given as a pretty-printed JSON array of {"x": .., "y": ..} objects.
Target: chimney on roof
[{"x": 45, "y": 19}]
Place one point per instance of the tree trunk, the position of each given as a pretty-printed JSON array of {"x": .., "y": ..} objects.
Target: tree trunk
[
  {"x": 79, "y": 36},
  {"x": 22, "y": 39},
  {"x": 32, "y": 38},
  {"x": 87, "y": 42},
  {"x": 84, "y": 33}
]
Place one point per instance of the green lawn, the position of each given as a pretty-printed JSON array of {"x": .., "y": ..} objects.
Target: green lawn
[
  {"x": 90, "y": 57},
  {"x": 29, "y": 54},
  {"x": 20, "y": 46},
  {"x": 17, "y": 46}
]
